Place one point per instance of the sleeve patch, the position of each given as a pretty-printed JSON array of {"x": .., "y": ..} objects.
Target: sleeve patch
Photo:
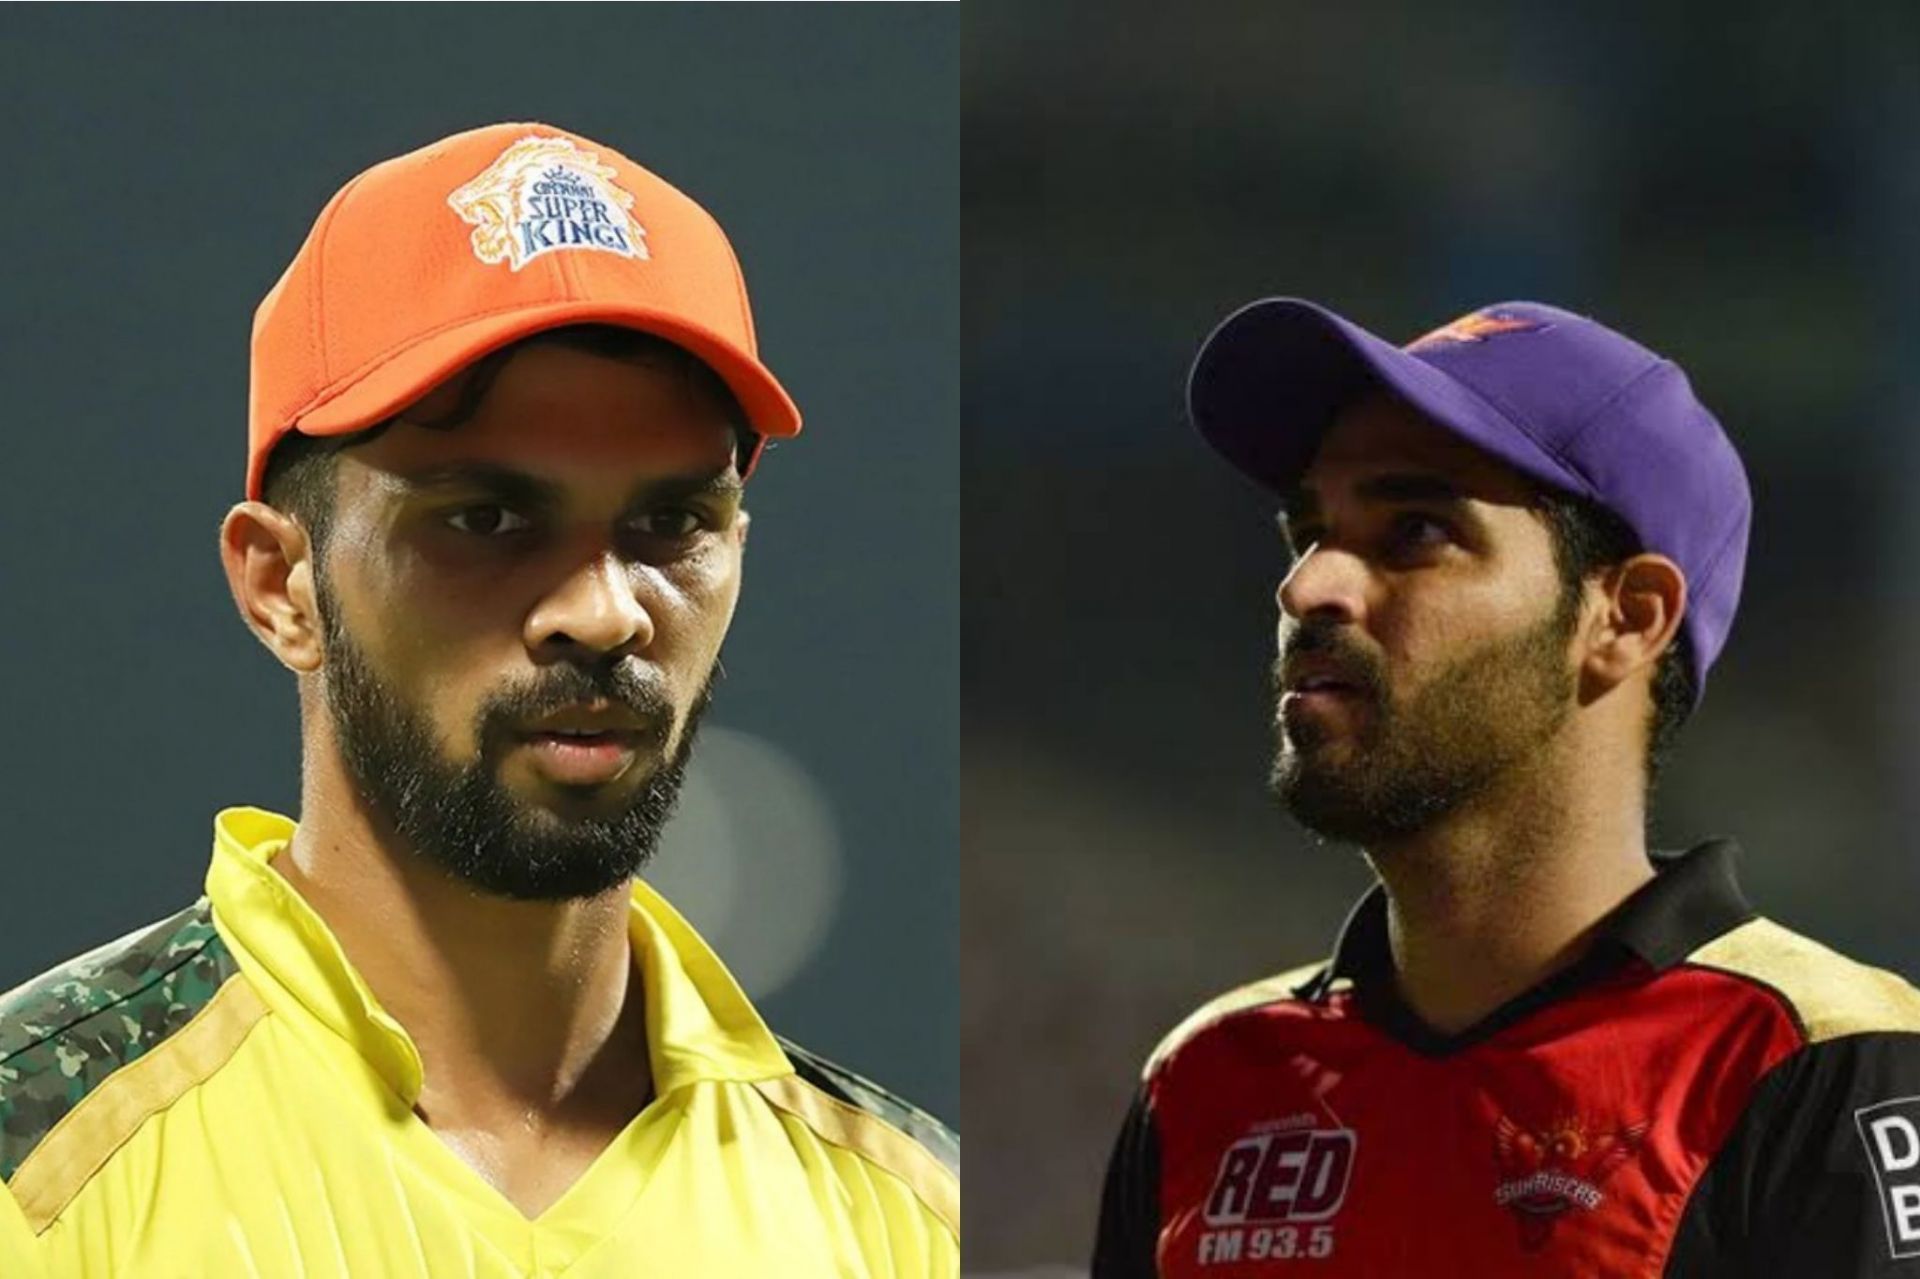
[{"x": 1890, "y": 1131}]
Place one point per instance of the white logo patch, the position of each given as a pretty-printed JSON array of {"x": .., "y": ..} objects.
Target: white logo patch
[
  {"x": 1891, "y": 1133},
  {"x": 543, "y": 195},
  {"x": 1276, "y": 1192}
]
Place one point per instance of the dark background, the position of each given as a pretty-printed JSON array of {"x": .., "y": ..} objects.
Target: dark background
[
  {"x": 162, "y": 165},
  {"x": 1735, "y": 186}
]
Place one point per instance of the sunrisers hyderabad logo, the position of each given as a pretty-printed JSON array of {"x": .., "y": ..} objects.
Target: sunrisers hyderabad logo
[
  {"x": 1546, "y": 1174},
  {"x": 546, "y": 194}
]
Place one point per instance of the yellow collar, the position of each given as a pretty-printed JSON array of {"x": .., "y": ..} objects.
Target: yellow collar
[{"x": 699, "y": 1024}]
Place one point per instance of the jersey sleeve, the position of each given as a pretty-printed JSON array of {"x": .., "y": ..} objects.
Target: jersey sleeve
[
  {"x": 1129, "y": 1229},
  {"x": 1820, "y": 1175}
]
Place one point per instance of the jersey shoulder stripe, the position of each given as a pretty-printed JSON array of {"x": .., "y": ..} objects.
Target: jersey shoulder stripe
[
  {"x": 854, "y": 1113},
  {"x": 863, "y": 1094},
  {"x": 1259, "y": 994},
  {"x": 1830, "y": 995},
  {"x": 64, "y": 1033}
]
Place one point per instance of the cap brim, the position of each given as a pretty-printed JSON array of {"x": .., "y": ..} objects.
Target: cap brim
[
  {"x": 403, "y": 378},
  {"x": 1269, "y": 381}
]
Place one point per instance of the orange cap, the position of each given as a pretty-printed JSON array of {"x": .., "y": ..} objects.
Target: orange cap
[{"x": 423, "y": 264}]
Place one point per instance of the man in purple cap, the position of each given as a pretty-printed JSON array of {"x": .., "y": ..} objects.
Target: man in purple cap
[{"x": 1536, "y": 1049}]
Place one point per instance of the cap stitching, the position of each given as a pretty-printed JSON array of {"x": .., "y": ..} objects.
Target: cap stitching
[
  {"x": 1514, "y": 420},
  {"x": 1719, "y": 553},
  {"x": 739, "y": 277},
  {"x": 316, "y": 307},
  {"x": 1703, "y": 660},
  {"x": 1620, "y": 392}
]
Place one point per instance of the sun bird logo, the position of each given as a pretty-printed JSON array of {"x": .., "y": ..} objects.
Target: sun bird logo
[
  {"x": 543, "y": 195},
  {"x": 1547, "y": 1174},
  {"x": 1475, "y": 327}
]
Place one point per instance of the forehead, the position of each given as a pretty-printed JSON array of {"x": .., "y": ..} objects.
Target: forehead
[
  {"x": 567, "y": 415},
  {"x": 1381, "y": 434}
]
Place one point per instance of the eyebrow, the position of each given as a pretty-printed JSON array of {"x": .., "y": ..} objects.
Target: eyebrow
[
  {"x": 513, "y": 485},
  {"x": 1302, "y": 504}
]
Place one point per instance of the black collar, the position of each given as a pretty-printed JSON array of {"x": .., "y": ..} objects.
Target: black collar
[{"x": 1693, "y": 899}]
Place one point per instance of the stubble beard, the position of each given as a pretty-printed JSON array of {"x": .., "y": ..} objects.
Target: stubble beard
[{"x": 1408, "y": 766}]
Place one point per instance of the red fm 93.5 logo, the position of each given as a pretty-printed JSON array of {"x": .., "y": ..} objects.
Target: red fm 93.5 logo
[{"x": 1292, "y": 1176}]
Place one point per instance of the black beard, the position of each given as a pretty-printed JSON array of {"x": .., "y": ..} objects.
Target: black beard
[
  {"x": 459, "y": 817},
  {"x": 1474, "y": 723}
]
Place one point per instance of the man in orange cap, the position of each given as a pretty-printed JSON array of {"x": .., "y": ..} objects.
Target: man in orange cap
[{"x": 503, "y": 405}]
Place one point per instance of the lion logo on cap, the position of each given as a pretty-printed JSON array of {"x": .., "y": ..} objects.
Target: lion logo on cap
[{"x": 545, "y": 194}]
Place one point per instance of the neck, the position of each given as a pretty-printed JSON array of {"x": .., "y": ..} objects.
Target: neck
[
  {"x": 1508, "y": 890},
  {"x": 519, "y": 1007}
]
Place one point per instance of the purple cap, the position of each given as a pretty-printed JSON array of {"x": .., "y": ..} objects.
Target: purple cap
[{"x": 1557, "y": 396}]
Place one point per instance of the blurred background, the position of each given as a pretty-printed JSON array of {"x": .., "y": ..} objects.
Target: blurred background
[
  {"x": 1736, "y": 186},
  {"x": 165, "y": 162}
]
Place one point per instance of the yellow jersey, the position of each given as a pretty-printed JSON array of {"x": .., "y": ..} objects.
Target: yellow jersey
[{"x": 221, "y": 1095}]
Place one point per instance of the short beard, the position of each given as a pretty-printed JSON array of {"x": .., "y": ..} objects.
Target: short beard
[
  {"x": 459, "y": 817},
  {"x": 1477, "y": 721}
]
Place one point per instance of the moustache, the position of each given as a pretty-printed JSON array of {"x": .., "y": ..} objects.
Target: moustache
[
  {"x": 564, "y": 686},
  {"x": 1342, "y": 657}
]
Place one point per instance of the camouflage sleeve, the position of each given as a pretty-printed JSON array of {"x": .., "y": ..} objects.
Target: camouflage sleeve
[{"x": 63, "y": 1033}]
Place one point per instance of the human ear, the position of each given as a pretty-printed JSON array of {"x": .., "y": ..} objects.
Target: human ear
[
  {"x": 1645, "y": 599},
  {"x": 268, "y": 560}
]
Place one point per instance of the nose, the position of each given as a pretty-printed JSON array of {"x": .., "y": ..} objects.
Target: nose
[
  {"x": 596, "y": 611},
  {"x": 1326, "y": 583}
]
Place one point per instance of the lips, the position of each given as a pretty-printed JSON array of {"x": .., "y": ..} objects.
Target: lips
[
  {"x": 587, "y": 720},
  {"x": 1324, "y": 691},
  {"x": 586, "y": 744},
  {"x": 584, "y": 736},
  {"x": 1309, "y": 673},
  {"x": 575, "y": 758},
  {"x": 1319, "y": 697},
  {"x": 570, "y": 744}
]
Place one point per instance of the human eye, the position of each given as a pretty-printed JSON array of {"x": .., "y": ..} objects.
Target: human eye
[
  {"x": 670, "y": 521},
  {"x": 1418, "y": 531},
  {"x": 487, "y": 519}
]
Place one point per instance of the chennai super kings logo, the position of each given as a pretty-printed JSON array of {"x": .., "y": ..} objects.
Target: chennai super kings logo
[{"x": 546, "y": 194}]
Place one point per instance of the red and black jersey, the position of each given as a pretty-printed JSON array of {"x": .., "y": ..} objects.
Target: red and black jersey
[{"x": 1703, "y": 1094}]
